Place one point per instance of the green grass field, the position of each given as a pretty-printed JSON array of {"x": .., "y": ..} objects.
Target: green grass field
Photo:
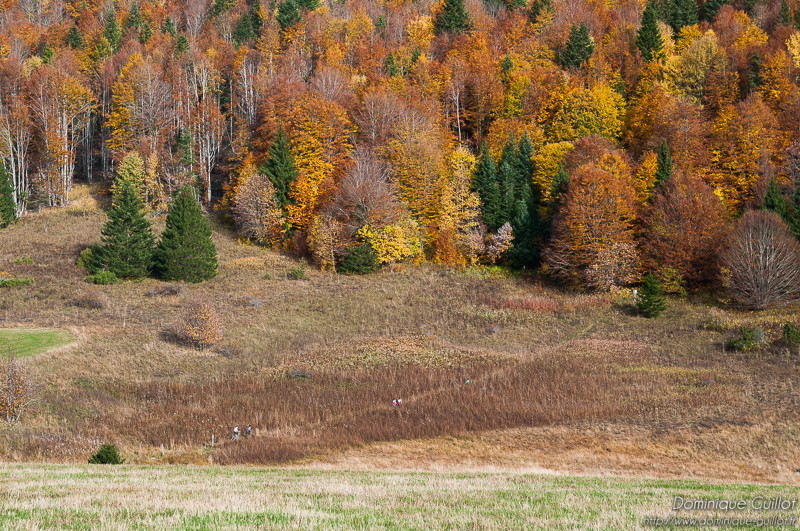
[
  {"x": 31, "y": 341},
  {"x": 187, "y": 497}
]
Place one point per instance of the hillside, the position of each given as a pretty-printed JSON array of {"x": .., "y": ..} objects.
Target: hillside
[{"x": 496, "y": 372}]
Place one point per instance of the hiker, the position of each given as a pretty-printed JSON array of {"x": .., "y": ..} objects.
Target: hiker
[
  {"x": 235, "y": 433},
  {"x": 247, "y": 431}
]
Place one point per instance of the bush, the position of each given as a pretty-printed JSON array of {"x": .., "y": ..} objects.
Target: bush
[
  {"x": 299, "y": 272},
  {"x": 91, "y": 300},
  {"x": 361, "y": 260},
  {"x": 103, "y": 278},
  {"x": 748, "y": 339},
  {"x": 199, "y": 325},
  {"x": 791, "y": 334},
  {"x": 23, "y": 260},
  {"x": 106, "y": 455},
  {"x": 12, "y": 282},
  {"x": 88, "y": 259}
]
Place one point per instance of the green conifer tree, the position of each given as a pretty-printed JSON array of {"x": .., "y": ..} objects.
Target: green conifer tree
[
  {"x": 684, "y": 13},
  {"x": 311, "y": 5},
  {"x": 288, "y": 14},
  {"x": 185, "y": 250},
  {"x": 181, "y": 44},
  {"x": 663, "y": 166},
  {"x": 73, "y": 38},
  {"x": 774, "y": 201},
  {"x": 391, "y": 66},
  {"x": 134, "y": 18},
  {"x": 169, "y": 27},
  {"x": 8, "y": 207},
  {"x": 793, "y": 218},
  {"x": 650, "y": 301},
  {"x": 784, "y": 15},
  {"x": 127, "y": 241},
  {"x": 452, "y": 18},
  {"x": 111, "y": 31},
  {"x": 649, "y": 40},
  {"x": 484, "y": 181},
  {"x": 280, "y": 167},
  {"x": 578, "y": 48},
  {"x": 527, "y": 229},
  {"x": 711, "y": 8}
]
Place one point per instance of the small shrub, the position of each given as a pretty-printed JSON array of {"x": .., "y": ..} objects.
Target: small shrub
[
  {"x": 106, "y": 455},
  {"x": 748, "y": 339},
  {"x": 791, "y": 334},
  {"x": 361, "y": 260},
  {"x": 23, "y": 260},
  {"x": 718, "y": 321},
  {"x": 299, "y": 272},
  {"x": 199, "y": 325},
  {"x": 91, "y": 300},
  {"x": 88, "y": 259},
  {"x": 102, "y": 277},
  {"x": 13, "y": 282}
]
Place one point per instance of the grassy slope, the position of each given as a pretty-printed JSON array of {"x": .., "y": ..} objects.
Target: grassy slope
[
  {"x": 742, "y": 424},
  {"x": 80, "y": 497},
  {"x": 29, "y": 342}
]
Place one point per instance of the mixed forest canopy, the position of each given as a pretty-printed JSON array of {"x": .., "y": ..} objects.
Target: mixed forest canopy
[{"x": 595, "y": 141}]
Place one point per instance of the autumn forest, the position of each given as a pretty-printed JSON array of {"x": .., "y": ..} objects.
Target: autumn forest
[{"x": 594, "y": 142}]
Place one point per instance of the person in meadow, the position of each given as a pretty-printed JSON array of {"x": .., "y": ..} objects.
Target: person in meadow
[
  {"x": 247, "y": 431},
  {"x": 235, "y": 433}
]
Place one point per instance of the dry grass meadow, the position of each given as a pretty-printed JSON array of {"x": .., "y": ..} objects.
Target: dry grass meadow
[{"x": 557, "y": 381}]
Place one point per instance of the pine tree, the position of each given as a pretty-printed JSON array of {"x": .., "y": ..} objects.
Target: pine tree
[
  {"x": 525, "y": 165},
  {"x": 649, "y": 39},
  {"x": 684, "y": 13},
  {"x": 134, "y": 18},
  {"x": 169, "y": 27},
  {"x": 578, "y": 48},
  {"x": 506, "y": 181},
  {"x": 8, "y": 208},
  {"x": 146, "y": 32},
  {"x": 537, "y": 7},
  {"x": 391, "y": 66},
  {"x": 784, "y": 15},
  {"x": 112, "y": 32},
  {"x": 311, "y": 5},
  {"x": 774, "y": 201},
  {"x": 663, "y": 166},
  {"x": 527, "y": 229},
  {"x": 73, "y": 38},
  {"x": 793, "y": 219},
  {"x": 186, "y": 251},
  {"x": 650, "y": 301},
  {"x": 711, "y": 8},
  {"x": 288, "y": 14},
  {"x": 452, "y": 18},
  {"x": 280, "y": 167},
  {"x": 484, "y": 181},
  {"x": 128, "y": 241},
  {"x": 244, "y": 30}
]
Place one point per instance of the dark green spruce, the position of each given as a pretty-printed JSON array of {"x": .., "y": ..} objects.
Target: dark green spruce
[
  {"x": 650, "y": 301},
  {"x": 127, "y": 242},
  {"x": 186, "y": 251},
  {"x": 280, "y": 167}
]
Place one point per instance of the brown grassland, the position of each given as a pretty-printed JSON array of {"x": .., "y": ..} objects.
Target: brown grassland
[{"x": 557, "y": 380}]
